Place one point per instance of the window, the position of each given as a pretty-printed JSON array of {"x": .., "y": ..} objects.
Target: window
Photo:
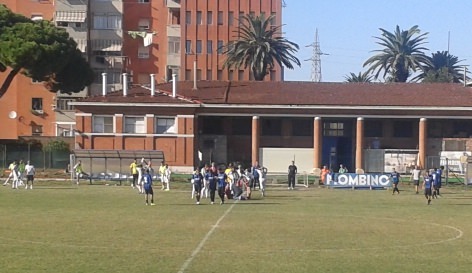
[
  {"x": 209, "y": 75},
  {"x": 165, "y": 125},
  {"x": 37, "y": 104},
  {"x": 63, "y": 104},
  {"x": 302, "y": 127},
  {"x": 373, "y": 128},
  {"x": 271, "y": 127},
  {"x": 188, "y": 17},
  {"x": 199, "y": 17},
  {"x": 272, "y": 75},
  {"x": 188, "y": 47},
  {"x": 241, "y": 15},
  {"x": 102, "y": 124},
  {"x": 230, "y": 75},
  {"x": 143, "y": 1},
  {"x": 188, "y": 74},
  {"x": 36, "y": 130},
  {"x": 220, "y": 47},
  {"x": 134, "y": 125},
  {"x": 143, "y": 52},
  {"x": 403, "y": 128},
  {"x": 36, "y": 17},
  {"x": 220, "y": 17},
  {"x": 240, "y": 75},
  {"x": 241, "y": 126},
  {"x": 199, "y": 74},
  {"x": 199, "y": 47},
  {"x": 144, "y": 23},
  {"x": 209, "y": 47},
  {"x": 209, "y": 18},
  {"x": 174, "y": 45},
  {"x": 273, "y": 19},
  {"x": 230, "y": 18},
  {"x": 106, "y": 21},
  {"x": 252, "y": 14},
  {"x": 333, "y": 129},
  {"x": 219, "y": 75}
]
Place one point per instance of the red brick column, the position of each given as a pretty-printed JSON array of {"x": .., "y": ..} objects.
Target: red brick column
[
  {"x": 360, "y": 143},
  {"x": 422, "y": 139},
  {"x": 317, "y": 142},
  {"x": 149, "y": 141},
  {"x": 255, "y": 139},
  {"x": 119, "y": 131}
]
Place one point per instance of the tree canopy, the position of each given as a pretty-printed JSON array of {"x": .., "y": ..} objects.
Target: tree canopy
[
  {"x": 443, "y": 67},
  {"x": 401, "y": 55},
  {"x": 361, "y": 77},
  {"x": 41, "y": 51},
  {"x": 259, "y": 46}
]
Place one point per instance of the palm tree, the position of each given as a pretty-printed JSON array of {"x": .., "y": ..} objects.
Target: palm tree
[
  {"x": 364, "y": 77},
  {"x": 443, "y": 67},
  {"x": 259, "y": 46},
  {"x": 402, "y": 54}
]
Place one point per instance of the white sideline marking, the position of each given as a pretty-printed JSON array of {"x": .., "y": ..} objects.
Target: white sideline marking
[{"x": 203, "y": 241}]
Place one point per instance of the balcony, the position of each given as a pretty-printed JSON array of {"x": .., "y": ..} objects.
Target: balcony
[
  {"x": 173, "y": 31},
  {"x": 173, "y": 4}
]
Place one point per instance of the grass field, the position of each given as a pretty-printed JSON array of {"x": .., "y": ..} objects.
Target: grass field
[{"x": 59, "y": 227}]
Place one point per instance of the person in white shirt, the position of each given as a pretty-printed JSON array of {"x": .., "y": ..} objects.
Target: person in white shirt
[
  {"x": 30, "y": 172},
  {"x": 167, "y": 174},
  {"x": 415, "y": 176},
  {"x": 16, "y": 176}
]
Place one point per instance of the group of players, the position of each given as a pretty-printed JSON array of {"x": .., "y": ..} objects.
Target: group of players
[
  {"x": 230, "y": 182},
  {"x": 18, "y": 170},
  {"x": 431, "y": 182},
  {"x": 142, "y": 174}
]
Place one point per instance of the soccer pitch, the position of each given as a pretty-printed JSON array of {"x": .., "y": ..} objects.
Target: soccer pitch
[{"x": 60, "y": 227}]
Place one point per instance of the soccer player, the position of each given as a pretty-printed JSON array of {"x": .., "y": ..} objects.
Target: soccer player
[
  {"x": 221, "y": 181},
  {"x": 14, "y": 170},
  {"x": 21, "y": 172},
  {"x": 415, "y": 176},
  {"x": 204, "y": 172},
  {"x": 167, "y": 174},
  {"x": 255, "y": 175},
  {"x": 197, "y": 184},
  {"x": 439, "y": 178},
  {"x": 10, "y": 176},
  {"x": 30, "y": 172},
  {"x": 395, "y": 177},
  {"x": 292, "y": 172},
  {"x": 162, "y": 173},
  {"x": 435, "y": 181},
  {"x": 79, "y": 171},
  {"x": 427, "y": 186},
  {"x": 211, "y": 176},
  {"x": 147, "y": 186},
  {"x": 134, "y": 172},
  {"x": 263, "y": 176}
]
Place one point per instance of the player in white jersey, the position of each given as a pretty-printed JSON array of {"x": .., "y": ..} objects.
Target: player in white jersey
[{"x": 30, "y": 172}]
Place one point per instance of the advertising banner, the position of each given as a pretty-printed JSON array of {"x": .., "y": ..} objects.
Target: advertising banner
[{"x": 352, "y": 180}]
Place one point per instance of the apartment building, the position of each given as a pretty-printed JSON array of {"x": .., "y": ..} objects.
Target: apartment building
[{"x": 187, "y": 37}]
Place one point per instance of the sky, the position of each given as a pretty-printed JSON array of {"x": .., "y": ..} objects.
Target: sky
[{"x": 347, "y": 31}]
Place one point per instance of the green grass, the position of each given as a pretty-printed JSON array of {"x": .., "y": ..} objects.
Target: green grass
[{"x": 59, "y": 227}]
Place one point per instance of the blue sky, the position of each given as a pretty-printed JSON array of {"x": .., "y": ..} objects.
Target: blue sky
[{"x": 346, "y": 30}]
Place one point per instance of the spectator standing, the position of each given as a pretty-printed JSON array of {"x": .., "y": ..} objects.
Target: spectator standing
[
  {"x": 292, "y": 173},
  {"x": 162, "y": 173},
  {"x": 79, "y": 171}
]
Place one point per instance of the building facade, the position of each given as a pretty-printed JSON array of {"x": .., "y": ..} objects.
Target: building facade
[{"x": 228, "y": 121}]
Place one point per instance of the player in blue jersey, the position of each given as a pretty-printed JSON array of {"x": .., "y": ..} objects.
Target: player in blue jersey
[
  {"x": 211, "y": 176},
  {"x": 221, "y": 183},
  {"x": 147, "y": 186},
  {"x": 427, "y": 186},
  {"x": 197, "y": 178},
  {"x": 395, "y": 178}
]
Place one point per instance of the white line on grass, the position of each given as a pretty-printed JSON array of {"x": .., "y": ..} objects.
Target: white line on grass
[{"x": 203, "y": 241}]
